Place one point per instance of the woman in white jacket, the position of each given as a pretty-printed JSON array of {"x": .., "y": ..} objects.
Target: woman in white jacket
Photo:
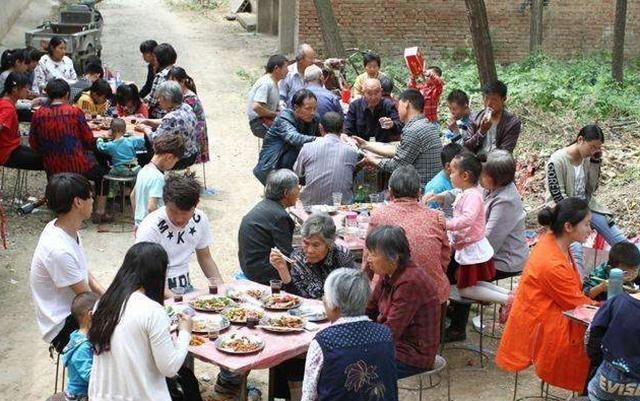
[{"x": 134, "y": 352}]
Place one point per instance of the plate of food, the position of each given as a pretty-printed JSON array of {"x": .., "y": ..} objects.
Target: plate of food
[
  {"x": 211, "y": 303},
  {"x": 197, "y": 341},
  {"x": 207, "y": 323},
  {"x": 237, "y": 343},
  {"x": 328, "y": 209},
  {"x": 281, "y": 301},
  {"x": 238, "y": 294},
  {"x": 239, "y": 314},
  {"x": 312, "y": 314},
  {"x": 282, "y": 324}
]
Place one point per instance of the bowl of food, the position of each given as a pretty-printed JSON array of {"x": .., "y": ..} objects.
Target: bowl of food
[
  {"x": 236, "y": 343},
  {"x": 197, "y": 341},
  {"x": 209, "y": 303}
]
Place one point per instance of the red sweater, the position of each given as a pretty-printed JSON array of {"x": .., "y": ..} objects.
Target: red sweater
[
  {"x": 9, "y": 134},
  {"x": 431, "y": 90}
]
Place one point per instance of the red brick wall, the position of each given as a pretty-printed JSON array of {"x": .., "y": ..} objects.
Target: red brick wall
[{"x": 441, "y": 26}]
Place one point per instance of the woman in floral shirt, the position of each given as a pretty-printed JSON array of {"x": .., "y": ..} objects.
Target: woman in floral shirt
[{"x": 54, "y": 65}]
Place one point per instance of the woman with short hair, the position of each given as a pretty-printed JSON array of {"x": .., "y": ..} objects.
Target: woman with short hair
[
  {"x": 54, "y": 64},
  {"x": 165, "y": 57},
  {"x": 353, "y": 358}
]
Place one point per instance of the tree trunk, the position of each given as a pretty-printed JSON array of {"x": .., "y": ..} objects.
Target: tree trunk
[
  {"x": 618, "y": 41},
  {"x": 535, "y": 30},
  {"x": 329, "y": 26},
  {"x": 479, "y": 26}
]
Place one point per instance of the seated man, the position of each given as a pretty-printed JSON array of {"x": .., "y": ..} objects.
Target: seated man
[
  {"x": 181, "y": 229},
  {"x": 327, "y": 164},
  {"x": 268, "y": 225},
  {"x": 290, "y": 130},
  {"x": 371, "y": 116},
  {"x": 327, "y": 100},
  {"x": 263, "y": 100},
  {"x": 294, "y": 80},
  {"x": 420, "y": 144},
  {"x": 493, "y": 127}
]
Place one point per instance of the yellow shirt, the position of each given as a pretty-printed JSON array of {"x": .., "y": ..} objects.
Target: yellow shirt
[
  {"x": 356, "y": 91},
  {"x": 86, "y": 104}
]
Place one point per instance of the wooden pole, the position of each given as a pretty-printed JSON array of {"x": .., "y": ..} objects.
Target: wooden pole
[
  {"x": 329, "y": 26},
  {"x": 479, "y": 27},
  {"x": 617, "y": 66}
]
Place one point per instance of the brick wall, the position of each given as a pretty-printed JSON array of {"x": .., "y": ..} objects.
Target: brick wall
[{"x": 441, "y": 26}]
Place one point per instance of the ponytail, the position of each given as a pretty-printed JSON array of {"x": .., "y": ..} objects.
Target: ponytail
[
  {"x": 180, "y": 75},
  {"x": 570, "y": 210},
  {"x": 15, "y": 80}
]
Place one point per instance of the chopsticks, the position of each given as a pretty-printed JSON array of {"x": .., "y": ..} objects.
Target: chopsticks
[{"x": 285, "y": 257}]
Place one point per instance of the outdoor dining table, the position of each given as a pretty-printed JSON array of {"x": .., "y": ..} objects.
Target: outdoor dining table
[
  {"x": 106, "y": 133},
  {"x": 279, "y": 347}
]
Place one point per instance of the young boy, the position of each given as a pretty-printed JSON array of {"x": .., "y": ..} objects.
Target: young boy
[
  {"x": 431, "y": 89},
  {"x": 122, "y": 149},
  {"x": 441, "y": 182},
  {"x": 624, "y": 256},
  {"x": 459, "y": 112},
  {"x": 146, "y": 49},
  {"x": 77, "y": 355},
  {"x": 147, "y": 193}
]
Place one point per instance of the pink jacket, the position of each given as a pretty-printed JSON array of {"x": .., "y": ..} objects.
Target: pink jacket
[{"x": 467, "y": 224}]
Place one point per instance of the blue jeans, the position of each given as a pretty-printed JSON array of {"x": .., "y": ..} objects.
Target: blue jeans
[
  {"x": 611, "y": 384},
  {"x": 611, "y": 234},
  {"x": 407, "y": 371}
]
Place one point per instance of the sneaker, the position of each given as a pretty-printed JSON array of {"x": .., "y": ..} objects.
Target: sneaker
[{"x": 451, "y": 336}]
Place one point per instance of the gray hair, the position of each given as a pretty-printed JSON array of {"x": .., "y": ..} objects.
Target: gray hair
[
  {"x": 279, "y": 182},
  {"x": 405, "y": 182},
  {"x": 347, "y": 290},
  {"x": 302, "y": 50},
  {"x": 320, "y": 224},
  {"x": 391, "y": 242},
  {"x": 170, "y": 91},
  {"x": 500, "y": 166},
  {"x": 313, "y": 73}
]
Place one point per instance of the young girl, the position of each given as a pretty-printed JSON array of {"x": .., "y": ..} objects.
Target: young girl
[{"x": 467, "y": 232}]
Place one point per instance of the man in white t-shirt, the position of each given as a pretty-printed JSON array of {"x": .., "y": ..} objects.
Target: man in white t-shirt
[
  {"x": 264, "y": 98},
  {"x": 59, "y": 265},
  {"x": 181, "y": 229}
]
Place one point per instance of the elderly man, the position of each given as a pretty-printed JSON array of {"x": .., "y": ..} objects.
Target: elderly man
[
  {"x": 371, "y": 116},
  {"x": 294, "y": 80},
  {"x": 327, "y": 100},
  {"x": 420, "y": 144},
  {"x": 263, "y": 100},
  {"x": 327, "y": 164},
  {"x": 268, "y": 226},
  {"x": 290, "y": 130},
  {"x": 178, "y": 120}
]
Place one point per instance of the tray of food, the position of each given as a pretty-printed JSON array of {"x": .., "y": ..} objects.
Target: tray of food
[
  {"x": 207, "y": 323},
  {"x": 282, "y": 324},
  {"x": 197, "y": 341},
  {"x": 237, "y": 343},
  {"x": 239, "y": 293},
  {"x": 211, "y": 303},
  {"x": 312, "y": 314},
  {"x": 281, "y": 302},
  {"x": 239, "y": 314}
]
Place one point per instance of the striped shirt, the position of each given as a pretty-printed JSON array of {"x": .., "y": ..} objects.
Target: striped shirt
[{"x": 327, "y": 165}]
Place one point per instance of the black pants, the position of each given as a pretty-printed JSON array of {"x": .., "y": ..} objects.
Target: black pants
[
  {"x": 62, "y": 339},
  {"x": 258, "y": 129},
  {"x": 23, "y": 157}
]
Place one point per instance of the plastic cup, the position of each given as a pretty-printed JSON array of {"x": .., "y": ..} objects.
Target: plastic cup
[
  {"x": 213, "y": 286},
  {"x": 276, "y": 286},
  {"x": 178, "y": 294},
  {"x": 336, "y": 197},
  {"x": 252, "y": 322},
  {"x": 214, "y": 334}
]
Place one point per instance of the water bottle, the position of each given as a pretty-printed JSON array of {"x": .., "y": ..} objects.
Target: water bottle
[
  {"x": 118, "y": 80},
  {"x": 615, "y": 283}
]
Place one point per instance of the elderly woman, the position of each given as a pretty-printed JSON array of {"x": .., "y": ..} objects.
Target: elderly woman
[
  {"x": 179, "y": 120},
  {"x": 341, "y": 356},
  {"x": 165, "y": 57},
  {"x": 54, "y": 64},
  {"x": 537, "y": 333},
  {"x": 404, "y": 299},
  {"x": 317, "y": 258}
]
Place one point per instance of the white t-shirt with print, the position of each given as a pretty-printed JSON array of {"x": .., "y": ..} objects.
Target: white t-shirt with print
[
  {"x": 580, "y": 182},
  {"x": 179, "y": 242},
  {"x": 58, "y": 262}
]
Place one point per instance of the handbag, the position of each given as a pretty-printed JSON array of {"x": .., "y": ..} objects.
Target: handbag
[{"x": 184, "y": 386}]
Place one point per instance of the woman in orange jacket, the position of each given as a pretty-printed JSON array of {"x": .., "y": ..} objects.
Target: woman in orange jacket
[{"x": 537, "y": 333}]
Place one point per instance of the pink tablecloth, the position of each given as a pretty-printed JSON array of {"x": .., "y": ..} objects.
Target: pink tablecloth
[
  {"x": 278, "y": 347},
  {"x": 338, "y": 219}
]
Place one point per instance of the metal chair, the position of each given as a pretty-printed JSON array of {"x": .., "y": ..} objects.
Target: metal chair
[
  {"x": 544, "y": 393},
  {"x": 439, "y": 365}
]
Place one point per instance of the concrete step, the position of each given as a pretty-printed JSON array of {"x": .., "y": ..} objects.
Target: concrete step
[{"x": 247, "y": 20}]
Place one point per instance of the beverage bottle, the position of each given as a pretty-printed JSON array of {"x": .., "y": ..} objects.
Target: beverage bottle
[
  {"x": 614, "y": 286},
  {"x": 118, "y": 80},
  {"x": 28, "y": 207}
]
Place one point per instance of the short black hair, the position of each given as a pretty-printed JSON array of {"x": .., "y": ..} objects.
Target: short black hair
[
  {"x": 126, "y": 93},
  {"x": 369, "y": 57},
  {"x": 57, "y": 88},
  {"x": 624, "y": 253},
  {"x": 414, "y": 97},
  {"x": 458, "y": 97},
  {"x": 15, "y": 80},
  {"x": 436, "y": 69},
  {"x": 118, "y": 125},
  {"x": 83, "y": 303},
  {"x": 92, "y": 67},
  {"x": 386, "y": 84},
  {"x": 33, "y": 54},
  {"x": 469, "y": 162},
  {"x": 449, "y": 151},
  {"x": 181, "y": 190},
  {"x": 101, "y": 87},
  {"x": 147, "y": 46},
  {"x": 165, "y": 55},
  {"x": 63, "y": 188},
  {"x": 391, "y": 241},
  {"x": 54, "y": 42},
  {"x": 277, "y": 60},
  {"x": 332, "y": 122},
  {"x": 301, "y": 95},
  {"x": 495, "y": 87}
]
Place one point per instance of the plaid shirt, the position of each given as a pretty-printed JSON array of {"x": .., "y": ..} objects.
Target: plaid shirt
[
  {"x": 155, "y": 111},
  {"x": 407, "y": 303},
  {"x": 431, "y": 90},
  {"x": 420, "y": 146}
]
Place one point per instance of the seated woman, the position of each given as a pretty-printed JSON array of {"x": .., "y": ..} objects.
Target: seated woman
[
  {"x": 12, "y": 60},
  {"x": 94, "y": 101},
  {"x": 342, "y": 354},
  {"x": 59, "y": 132},
  {"x": 315, "y": 260},
  {"x": 404, "y": 299},
  {"x": 12, "y": 153},
  {"x": 128, "y": 102},
  {"x": 537, "y": 333},
  {"x": 179, "y": 75},
  {"x": 130, "y": 335},
  {"x": 54, "y": 65},
  {"x": 179, "y": 120}
]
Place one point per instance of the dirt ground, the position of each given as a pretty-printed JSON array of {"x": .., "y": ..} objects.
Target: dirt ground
[{"x": 213, "y": 51}]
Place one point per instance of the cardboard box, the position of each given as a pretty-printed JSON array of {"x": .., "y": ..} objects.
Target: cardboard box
[{"x": 415, "y": 60}]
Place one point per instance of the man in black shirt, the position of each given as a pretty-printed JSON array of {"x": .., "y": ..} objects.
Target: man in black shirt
[{"x": 146, "y": 48}]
